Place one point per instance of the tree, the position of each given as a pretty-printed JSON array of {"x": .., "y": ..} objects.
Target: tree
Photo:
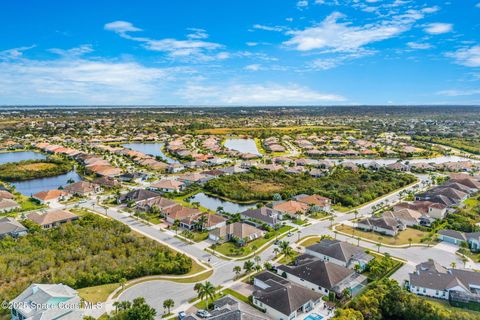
[
  {"x": 237, "y": 270},
  {"x": 138, "y": 310},
  {"x": 358, "y": 241},
  {"x": 168, "y": 304},
  {"x": 206, "y": 292},
  {"x": 379, "y": 244},
  {"x": 122, "y": 282},
  {"x": 176, "y": 226},
  {"x": 285, "y": 248},
  {"x": 410, "y": 240},
  {"x": 453, "y": 265},
  {"x": 248, "y": 266},
  {"x": 202, "y": 221}
]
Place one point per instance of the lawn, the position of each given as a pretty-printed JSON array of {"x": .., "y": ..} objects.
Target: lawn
[
  {"x": 97, "y": 293},
  {"x": 230, "y": 249},
  {"x": 401, "y": 239},
  {"x": 308, "y": 241}
]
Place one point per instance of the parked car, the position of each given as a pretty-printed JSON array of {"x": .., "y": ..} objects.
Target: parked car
[
  {"x": 203, "y": 313},
  {"x": 182, "y": 315}
]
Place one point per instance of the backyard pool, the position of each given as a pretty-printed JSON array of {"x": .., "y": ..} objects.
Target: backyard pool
[{"x": 313, "y": 316}]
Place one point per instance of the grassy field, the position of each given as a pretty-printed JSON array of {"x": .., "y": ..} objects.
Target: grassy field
[
  {"x": 308, "y": 241},
  {"x": 97, "y": 293},
  {"x": 401, "y": 239}
]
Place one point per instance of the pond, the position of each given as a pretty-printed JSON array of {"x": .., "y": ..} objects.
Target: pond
[
  {"x": 154, "y": 149},
  {"x": 242, "y": 145},
  {"x": 30, "y": 187},
  {"x": 213, "y": 203},
  {"x": 20, "y": 156}
]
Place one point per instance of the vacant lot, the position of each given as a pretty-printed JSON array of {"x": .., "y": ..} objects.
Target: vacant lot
[
  {"x": 403, "y": 237},
  {"x": 345, "y": 187}
]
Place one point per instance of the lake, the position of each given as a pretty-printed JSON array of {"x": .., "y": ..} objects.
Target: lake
[
  {"x": 20, "y": 156},
  {"x": 154, "y": 149},
  {"x": 213, "y": 203},
  {"x": 30, "y": 187},
  {"x": 242, "y": 145}
]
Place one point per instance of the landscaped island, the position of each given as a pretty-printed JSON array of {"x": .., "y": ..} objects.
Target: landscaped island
[
  {"x": 88, "y": 252},
  {"x": 33, "y": 169},
  {"x": 345, "y": 187}
]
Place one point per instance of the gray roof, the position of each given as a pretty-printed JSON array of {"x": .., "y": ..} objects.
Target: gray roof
[
  {"x": 284, "y": 297},
  {"x": 265, "y": 214},
  {"x": 431, "y": 275},
  {"x": 48, "y": 295},
  {"x": 10, "y": 226},
  {"x": 138, "y": 195},
  {"x": 453, "y": 234},
  {"x": 322, "y": 273},
  {"x": 339, "y": 250}
]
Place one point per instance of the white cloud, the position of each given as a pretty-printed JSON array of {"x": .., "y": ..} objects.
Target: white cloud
[
  {"x": 253, "y": 67},
  {"x": 268, "y": 28},
  {"x": 252, "y": 44},
  {"x": 302, "y": 4},
  {"x": 14, "y": 53},
  {"x": 73, "y": 52},
  {"x": 121, "y": 27},
  {"x": 469, "y": 56},
  {"x": 419, "y": 46},
  {"x": 344, "y": 37},
  {"x": 79, "y": 80},
  {"x": 459, "y": 93},
  {"x": 193, "y": 48},
  {"x": 255, "y": 94},
  {"x": 438, "y": 28}
]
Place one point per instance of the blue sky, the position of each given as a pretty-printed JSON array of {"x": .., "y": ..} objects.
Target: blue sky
[{"x": 240, "y": 52}]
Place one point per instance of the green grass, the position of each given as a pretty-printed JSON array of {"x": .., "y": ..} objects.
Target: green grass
[
  {"x": 230, "y": 249},
  {"x": 308, "y": 241},
  {"x": 401, "y": 239},
  {"x": 97, "y": 293}
]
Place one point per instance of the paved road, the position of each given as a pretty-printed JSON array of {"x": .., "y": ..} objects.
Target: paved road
[{"x": 155, "y": 292}]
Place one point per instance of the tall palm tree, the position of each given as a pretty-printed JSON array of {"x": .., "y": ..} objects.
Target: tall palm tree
[
  {"x": 202, "y": 221},
  {"x": 206, "y": 292}
]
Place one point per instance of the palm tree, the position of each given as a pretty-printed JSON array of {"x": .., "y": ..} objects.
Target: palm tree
[
  {"x": 237, "y": 270},
  {"x": 285, "y": 248},
  {"x": 175, "y": 226},
  {"x": 202, "y": 221},
  {"x": 358, "y": 241},
  {"x": 168, "y": 304},
  {"x": 257, "y": 259},
  {"x": 248, "y": 266},
  {"x": 335, "y": 232},
  {"x": 453, "y": 265},
  {"x": 331, "y": 221},
  {"x": 410, "y": 240},
  {"x": 206, "y": 291},
  {"x": 379, "y": 244}
]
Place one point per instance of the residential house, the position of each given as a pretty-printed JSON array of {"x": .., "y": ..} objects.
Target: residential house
[
  {"x": 138, "y": 195},
  {"x": 191, "y": 178},
  {"x": 384, "y": 225},
  {"x": 178, "y": 212},
  {"x": 316, "y": 202},
  {"x": 52, "y": 218},
  {"x": 292, "y": 208},
  {"x": 167, "y": 186},
  {"x": 431, "y": 209},
  {"x": 175, "y": 167},
  {"x": 47, "y": 301},
  {"x": 339, "y": 252},
  {"x": 107, "y": 182},
  {"x": 433, "y": 280},
  {"x": 50, "y": 196},
  {"x": 11, "y": 227},
  {"x": 282, "y": 299},
  {"x": 212, "y": 221},
  {"x": 397, "y": 166},
  {"x": 7, "y": 205},
  {"x": 322, "y": 276},
  {"x": 229, "y": 308},
  {"x": 263, "y": 214},
  {"x": 5, "y": 194},
  {"x": 158, "y": 202},
  {"x": 238, "y": 231},
  {"x": 82, "y": 188},
  {"x": 458, "y": 237}
]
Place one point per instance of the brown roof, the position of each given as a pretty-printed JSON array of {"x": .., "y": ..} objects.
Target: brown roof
[
  {"x": 49, "y": 195},
  {"x": 291, "y": 207},
  {"x": 179, "y": 212},
  {"x": 6, "y": 195},
  {"x": 8, "y": 203},
  {"x": 80, "y": 187},
  {"x": 239, "y": 230},
  {"x": 314, "y": 199},
  {"x": 51, "y": 216},
  {"x": 167, "y": 184}
]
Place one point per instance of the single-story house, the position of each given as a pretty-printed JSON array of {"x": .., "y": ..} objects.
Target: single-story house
[
  {"x": 46, "y": 197},
  {"x": 138, "y": 195},
  {"x": 282, "y": 299},
  {"x": 263, "y": 214},
  {"x": 384, "y": 225},
  {"x": 238, "y": 231},
  {"x": 292, "y": 208},
  {"x": 7, "y": 205},
  {"x": 315, "y": 201},
  {"x": 167, "y": 186},
  {"x": 52, "y": 218},
  {"x": 212, "y": 221},
  {"x": 82, "y": 188},
  {"x": 11, "y": 227}
]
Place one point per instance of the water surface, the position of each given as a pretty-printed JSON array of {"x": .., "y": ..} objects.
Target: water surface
[
  {"x": 153, "y": 149},
  {"x": 20, "y": 156},
  {"x": 213, "y": 203},
  {"x": 242, "y": 145},
  {"x": 30, "y": 187}
]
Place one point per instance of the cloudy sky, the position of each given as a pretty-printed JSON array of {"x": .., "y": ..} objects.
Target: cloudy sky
[{"x": 240, "y": 52}]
